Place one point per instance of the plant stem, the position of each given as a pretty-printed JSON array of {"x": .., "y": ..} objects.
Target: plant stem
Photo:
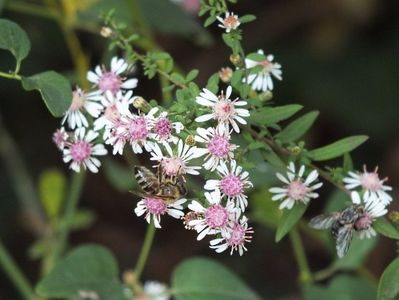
[
  {"x": 29, "y": 9},
  {"x": 145, "y": 250},
  {"x": 75, "y": 190},
  {"x": 15, "y": 274},
  {"x": 305, "y": 275},
  {"x": 10, "y": 75}
]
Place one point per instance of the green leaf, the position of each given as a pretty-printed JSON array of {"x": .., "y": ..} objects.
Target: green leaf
[
  {"x": 357, "y": 253},
  {"x": 82, "y": 219},
  {"x": 213, "y": 83},
  {"x": 87, "y": 268},
  {"x": 388, "y": 288},
  {"x": 209, "y": 21},
  {"x": 52, "y": 184},
  {"x": 296, "y": 129},
  {"x": 256, "y": 56},
  {"x": 201, "y": 278},
  {"x": 347, "y": 163},
  {"x": 386, "y": 228},
  {"x": 338, "y": 148},
  {"x": 265, "y": 210},
  {"x": 119, "y": 176},
  {"x": 289, "y": 218},
  {"x": 192, "y": 75},
  {"x": 14, "y": 39},
  {"x": 271, "y": 115},
  {"x": 247, "y": 18},
  {"x": 54, "y": 88},
  {"x": 177, "y": 78}
]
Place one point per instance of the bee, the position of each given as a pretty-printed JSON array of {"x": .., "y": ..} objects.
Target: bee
[
  {"x": 343, "y": 224},
  {"x": 168, "y": 188}
]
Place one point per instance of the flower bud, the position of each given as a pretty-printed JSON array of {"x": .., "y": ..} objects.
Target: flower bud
[
  {"x": 236, "y": 59},
  {"x": 394, "y": 217},
  {"x": 225, "y": 74},
  {"x": 295, "y": 150},
  {"x": 190, "y": 140},
  {"x": 141, "y": 104},
  {"x": 266, "y": 96},
  {"x": 106, "y": 31},
  {"x": 129, "y": 277}
]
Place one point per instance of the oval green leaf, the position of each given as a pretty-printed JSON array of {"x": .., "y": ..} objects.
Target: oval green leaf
[
  {"x": 272, "y": 115},
  {"x": 14, "y": 39},
  {"x": 288, "y": 219},
  {"x": 338, "y": 148},
  {"x": 54, "y": 88},
  {"x": 388, "y": 288},
  {"x": 297, "y": 128},
  {"x": 201, "y": 278},
  {"x": 386, "y": 228},
  {"x": 87, "y": 268}
]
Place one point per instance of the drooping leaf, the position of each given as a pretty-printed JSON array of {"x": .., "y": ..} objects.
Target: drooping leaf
[
  {"x": 202, "y": 278},
  {"x": 14, "y": 39},
  {"x": 386, "y": 228},
  {"x": 119, "y": 176},
  {"x": 296, "y": 129},
  {"x": 54, "y": 88},
  {"x": 271, "y": 115},
  {"x": 288, "y": 220},
  {"x": 87, "y": 268},
  {"x": 338, "y": 148},
  {"x": 388, "y": 287}
]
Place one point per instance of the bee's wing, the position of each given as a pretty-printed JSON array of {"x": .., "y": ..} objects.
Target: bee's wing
[
  {"x": 344, "y": 239},
  {"x": 324, "y": 221},
  {"x": 147, "y": 180}
]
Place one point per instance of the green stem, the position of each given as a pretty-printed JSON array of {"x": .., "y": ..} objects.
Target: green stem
[
  {"x": 305, "y": 275},
  {"x": 10, "y": 75},
  {"x": 29, "y": 9},
  {"x": 145, "y": 250},
  {"x": 75, "y": 190},
  {"x": 14, "y": 273}
]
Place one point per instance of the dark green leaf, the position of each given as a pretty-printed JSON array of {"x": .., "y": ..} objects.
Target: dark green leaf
[
  {"x": 209, "y": 21},
  {"x": 256, "y": 56},
  {"x": 192, "y": 75},
  {"x": 176, "y": 77},
  {"x": 14, "y": 39},
  {"x": 247, "y": 18},
  {"x": 265, "y": 210},
  {"x": 297, "y": 128},
  {"x": 386, "y": 228},
  {"x": 289, "y": 218},
  {"x": 201, "y": 278},
  {"x": 348, "y": 163},
  {"x": 338, "y": 148},
  {"x": 54, "y": 88},
  {"x": 87, "y": 268},
  {"x": 271, "y": 115},
  {"x": 388, "y": 288},
  {"x": 119, "y": 176}
]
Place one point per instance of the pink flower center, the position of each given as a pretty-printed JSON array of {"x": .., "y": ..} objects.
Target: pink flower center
[
  {"x": 80, "y": 151},
  {"x": 223, "y": 109},
  {"x": 172, "y": 166},
  {"x": 237, "y": 235},
  {"x": 370, "y": 181},
  {"x": 112, "y": 113},
  {"x": 59, "y": 138},
  {"x": 297, "y": 190},
  {"x": 78, "y": 100},
  {"x": 219, "y": 146},
  {"x": 163, "y": 127},
  {"x": 109, "y": 81},
  {"x": 364, "y": 222},
  {"x": 267, "y": 66},
  {"x": 230, "y": 22},
  {"x": 216, "y": 216},
  {"x": 231, "y": 185},
  {"x": 155, "y": 206},
  {"x": 138, "y": 129}
]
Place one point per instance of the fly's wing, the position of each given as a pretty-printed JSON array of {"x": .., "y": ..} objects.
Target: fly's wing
[
  {"x": 344, "y": 238},
  {"x": 147, "y": 180},
  {"x": 324, "y": 221}
]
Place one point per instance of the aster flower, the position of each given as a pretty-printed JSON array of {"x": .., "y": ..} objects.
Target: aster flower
[
  {"x": 297, "y": 189},
  {"x": 174, "y": 164},
  {"x": 163, "y": 128},
  {"x": 81, "y": 151},
  {"x": 262, "y": 81},
  {"x": 232, "y": 183},
  {"x": 111, "y": 80},
  {"x": 60, "y": 137},
  {"x": 224, "y": 109},
  {"x": 238, "y": 235},
  {"x": 370, "y": 182},
  {"x": 230, "y": 21},
  {"x": 155, "y": 290},
  {"x": 154, "y": 208},
  {"x": 374, "y": 208},
  {"x": 218, "y": 146},
  {"x": 80, "y": 100},
  {"x": 213, "y": 218}
]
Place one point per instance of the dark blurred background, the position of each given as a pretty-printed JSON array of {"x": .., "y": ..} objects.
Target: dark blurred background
[{"x": 338, "y": 56}]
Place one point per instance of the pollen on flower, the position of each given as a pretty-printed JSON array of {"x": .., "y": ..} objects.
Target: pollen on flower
[
  {"x": 138, "y": 128},
  {"x": 163, "y": 127},
  {"x": 109, "y": 81},
  {"x": 219, "y": 146},
  {"x": 371, "y": 180},
  {"x": 223, "y": 109},
  {"x": 172, "y": 165},
  {"x": 237, "y": 235},
  {"x": 216, "y": 216},
  {"x": 231, "y": 22},
  {"x": 267, "y": 66},
  {"x": 296, "y": 190},
  {"x": 155, "y": 206},
  {"x": 231, "y": 185},
  {"x": 80, "y": 151}
]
